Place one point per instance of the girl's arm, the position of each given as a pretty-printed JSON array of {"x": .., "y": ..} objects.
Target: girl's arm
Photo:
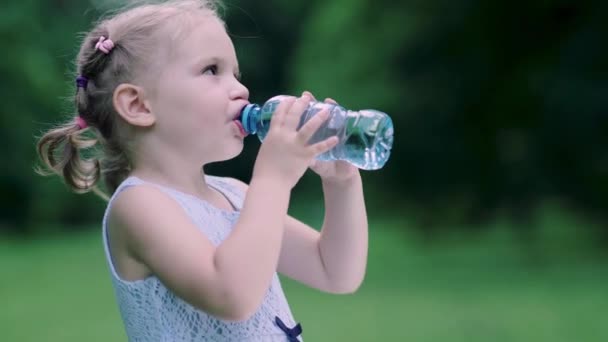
[
  {"x": 334, "y": 260},
  {"x": 344, "y": 236},
  {"x": 228, "y": 281}
]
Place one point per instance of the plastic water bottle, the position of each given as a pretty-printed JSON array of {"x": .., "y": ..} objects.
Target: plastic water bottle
[{"x": 366, "y": 136}]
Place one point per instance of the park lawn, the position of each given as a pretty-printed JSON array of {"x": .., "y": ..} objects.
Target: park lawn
[{"x": 58, "y": 289}]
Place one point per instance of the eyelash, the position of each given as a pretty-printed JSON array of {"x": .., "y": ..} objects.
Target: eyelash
[{"x": 214, "y": 69}]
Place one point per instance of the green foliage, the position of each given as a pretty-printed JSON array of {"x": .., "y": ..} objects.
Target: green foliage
[
  {"x": 497, "y": 106},
  {"x": 39, "y": 44}
]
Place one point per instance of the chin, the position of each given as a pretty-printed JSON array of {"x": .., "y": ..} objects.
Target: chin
[
  {"x": 232, "y": 151},
  {"x": 235, "y": 154}
]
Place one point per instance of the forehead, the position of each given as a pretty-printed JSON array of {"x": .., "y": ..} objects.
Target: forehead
[{"x": 203, "y": 36}]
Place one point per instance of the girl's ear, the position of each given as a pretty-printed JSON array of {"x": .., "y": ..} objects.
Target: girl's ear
[{"x": 130, "y": 103}]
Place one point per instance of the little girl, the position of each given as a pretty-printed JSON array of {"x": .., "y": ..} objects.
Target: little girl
[{"x": 194, "y": 257}]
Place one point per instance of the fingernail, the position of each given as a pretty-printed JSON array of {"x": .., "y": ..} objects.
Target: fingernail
[{"x": 309, "y": 94}]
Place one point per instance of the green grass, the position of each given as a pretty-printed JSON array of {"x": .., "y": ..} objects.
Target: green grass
[{"x": 484, "y": 289}]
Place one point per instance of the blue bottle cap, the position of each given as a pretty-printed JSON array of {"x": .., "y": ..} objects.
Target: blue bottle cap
[{"x": 245, "y": 118}]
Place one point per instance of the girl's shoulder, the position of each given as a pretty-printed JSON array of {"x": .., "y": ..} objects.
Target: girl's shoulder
[
  {"x": 134, "y": 195},
  {"x": 136, "y": 192},
  {"x": 131, "y": 182}
]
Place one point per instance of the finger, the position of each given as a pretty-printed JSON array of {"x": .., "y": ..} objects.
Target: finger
[
  {"x": 310, "y": 127},
  {"x": 306, "y": 92},
  {"x": 278, "y": 118},
  {"x": 294, "y": 115},
  {"x": 330, "y": 100},
  {"x": 324, "y": 146}
]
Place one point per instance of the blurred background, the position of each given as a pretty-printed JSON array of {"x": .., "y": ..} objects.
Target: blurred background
[{"x": 488, "y": 223}]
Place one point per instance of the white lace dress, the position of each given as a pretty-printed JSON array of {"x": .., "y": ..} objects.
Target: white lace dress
[{"x": 151, "y": 312}]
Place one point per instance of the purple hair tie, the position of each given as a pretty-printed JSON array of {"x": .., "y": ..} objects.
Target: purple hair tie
[{"x": 81, "y": 82}]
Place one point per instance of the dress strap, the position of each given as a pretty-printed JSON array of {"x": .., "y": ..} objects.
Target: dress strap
[{"x": 234, "y": 195}]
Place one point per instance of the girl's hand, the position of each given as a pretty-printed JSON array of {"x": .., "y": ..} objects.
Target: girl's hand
[
  {"x": 285, "y": 153},
  {"x": 332, "y": 171}
]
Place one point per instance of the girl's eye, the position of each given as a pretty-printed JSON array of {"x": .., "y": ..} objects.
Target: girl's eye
[{"x": 210, "y": 70}]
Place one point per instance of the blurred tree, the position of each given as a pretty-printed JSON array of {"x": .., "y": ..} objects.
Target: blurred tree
[
  {"x": 38, "y": 39},
  {"x": 497, "y": 105}
]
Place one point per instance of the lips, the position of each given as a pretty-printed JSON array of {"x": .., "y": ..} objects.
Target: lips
[
  {"x": 240, "y": 126},
  {"x": 236, "y": 118}
]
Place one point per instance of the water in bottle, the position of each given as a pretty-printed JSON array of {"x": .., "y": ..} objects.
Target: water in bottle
[{"x": 366, "y": 136}]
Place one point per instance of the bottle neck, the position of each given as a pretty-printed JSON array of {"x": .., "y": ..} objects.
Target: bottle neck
[{"x": 250, "y": 115}]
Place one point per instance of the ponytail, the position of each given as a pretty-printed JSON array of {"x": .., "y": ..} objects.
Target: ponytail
[{"x": 61, "y": 151}]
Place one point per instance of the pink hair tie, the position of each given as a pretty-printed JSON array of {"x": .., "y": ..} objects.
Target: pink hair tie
[
  {"x": 105, "y": 45},
  {"x": 81, "y": 123}
]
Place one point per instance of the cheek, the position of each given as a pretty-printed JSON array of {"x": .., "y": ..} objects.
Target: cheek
[
  {"x": 205, "y": 123},
  {"x": 197, "y": 111}
]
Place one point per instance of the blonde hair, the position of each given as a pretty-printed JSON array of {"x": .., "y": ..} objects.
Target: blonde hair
[{"x": 136, "y": 31}]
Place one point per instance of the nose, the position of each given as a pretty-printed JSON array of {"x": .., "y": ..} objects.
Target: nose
[{"x": 239, "y": 92}]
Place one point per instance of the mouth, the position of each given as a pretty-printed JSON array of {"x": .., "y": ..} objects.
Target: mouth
[
  {"x": 239, "y": 113},
  {"x": 236, "y": 118},
  {"x": 240, "y": 127}
]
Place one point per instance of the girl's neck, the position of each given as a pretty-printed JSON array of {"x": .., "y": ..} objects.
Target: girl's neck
[{"x": 165, "y": 167}]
